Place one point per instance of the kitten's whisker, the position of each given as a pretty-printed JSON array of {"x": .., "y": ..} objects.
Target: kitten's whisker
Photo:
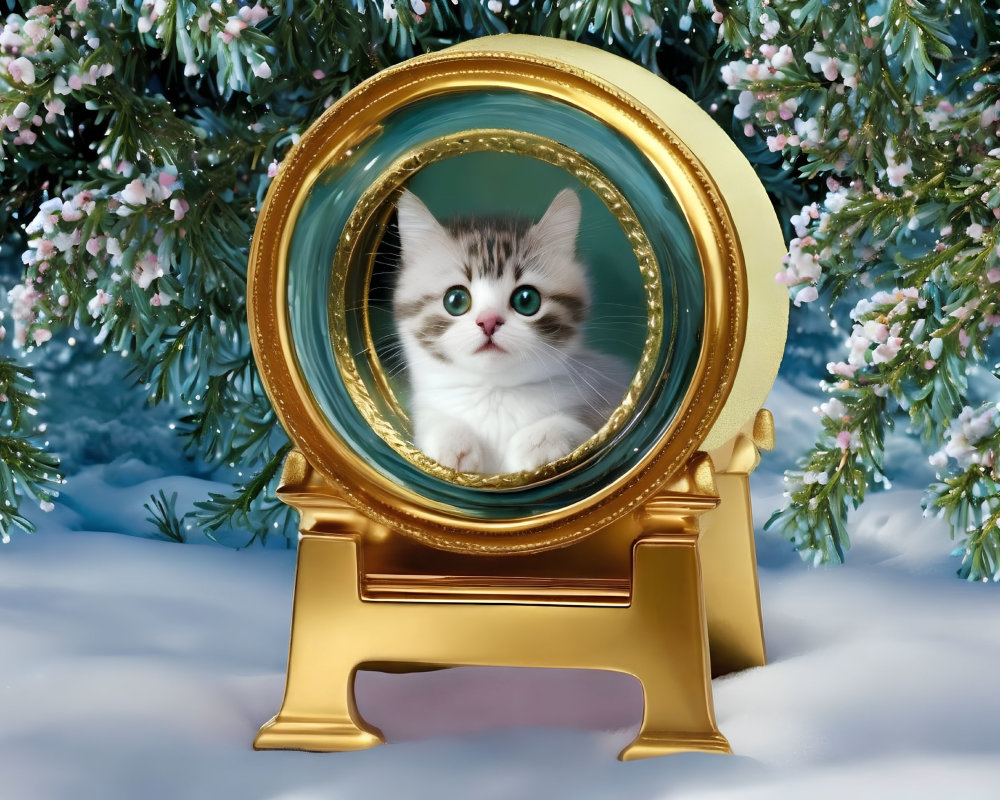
[{"x": 577, "y": 367}]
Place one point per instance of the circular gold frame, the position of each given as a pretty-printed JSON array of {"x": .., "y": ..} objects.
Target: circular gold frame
[
  {"x": 374, "y": 207},
  {"x": 355, "y": 116}
]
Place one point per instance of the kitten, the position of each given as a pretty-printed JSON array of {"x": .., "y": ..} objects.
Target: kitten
[{"x": 490, "y": 313}]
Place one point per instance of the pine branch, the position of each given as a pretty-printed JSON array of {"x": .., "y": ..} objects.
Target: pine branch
[
  {"x": 27, "y": 471},
  {"x": 253, "y": 507}
]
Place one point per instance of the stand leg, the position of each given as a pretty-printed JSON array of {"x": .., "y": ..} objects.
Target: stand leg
[
  {"x": 319, "y": 711},
  {"x": 729, "y": 558},
  {"x": 668, "y": 613}
]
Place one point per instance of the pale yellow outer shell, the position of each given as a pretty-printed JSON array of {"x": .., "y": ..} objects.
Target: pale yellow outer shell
[{"x": 749, "y": 208}]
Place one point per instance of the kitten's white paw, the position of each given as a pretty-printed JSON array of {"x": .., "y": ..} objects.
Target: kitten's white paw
[
  {"x": 547, "y": 440},
  {"x": 457, "y": 448}
]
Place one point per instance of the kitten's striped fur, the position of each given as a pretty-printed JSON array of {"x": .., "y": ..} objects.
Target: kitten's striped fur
[{"x": 494, "y": 388}]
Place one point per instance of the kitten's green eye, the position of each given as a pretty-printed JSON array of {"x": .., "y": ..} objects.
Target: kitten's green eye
[
  {"x": 526, "y": 300},
  {"x": 457, "y": 300}
]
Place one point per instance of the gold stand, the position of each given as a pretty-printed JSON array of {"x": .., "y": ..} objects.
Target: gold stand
[
  {"x": 729, "y": 556},
  {"x": 626, "y": 599}
]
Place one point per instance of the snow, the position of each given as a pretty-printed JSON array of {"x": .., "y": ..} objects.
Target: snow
[{"x": 137, "y": 668}]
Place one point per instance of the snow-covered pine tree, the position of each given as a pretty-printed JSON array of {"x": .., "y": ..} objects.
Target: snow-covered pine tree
[
  {"x": 139, "y": 138},
  {"x": 895, "y": 105}
]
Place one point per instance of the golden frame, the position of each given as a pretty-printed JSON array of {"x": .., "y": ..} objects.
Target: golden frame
[
  {"x": 716, "y": 240},
  {"x": 385, "y": 186},
  {"x": 651, "y": 573}
]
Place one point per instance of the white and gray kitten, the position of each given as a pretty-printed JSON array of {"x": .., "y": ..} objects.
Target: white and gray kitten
[{"x": 490, "y": 313}]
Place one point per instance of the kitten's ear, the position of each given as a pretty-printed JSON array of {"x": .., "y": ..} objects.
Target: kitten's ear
[
  {"x": 418, "y": 228},
  {"x": 560, "y": 224}
]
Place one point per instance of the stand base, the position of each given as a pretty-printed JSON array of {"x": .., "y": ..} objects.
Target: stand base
[
  {"x": 666, "y": 744},
  {"x": 317, "y": 736},
  {"x": 657, "y": 634}
]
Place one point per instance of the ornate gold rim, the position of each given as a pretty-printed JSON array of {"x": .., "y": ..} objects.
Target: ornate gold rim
[
  {"x": 352, "y": 119},
  {"x": 374, "y": 205}
]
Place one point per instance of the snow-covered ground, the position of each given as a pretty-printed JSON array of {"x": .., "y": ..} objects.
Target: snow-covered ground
[{"x": 135, "y": 668}]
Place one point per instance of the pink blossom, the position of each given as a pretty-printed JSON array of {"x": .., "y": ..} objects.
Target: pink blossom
[
  {"x": 989, "y": 116},
  {"x": 10, "y": 38},
  {"x": 22, "y": 71},
  {"x": 993, "y": 275},
  {"x": 166, "y": 181},
  {"x": 179, "y": 207},
  {"x": 963, "y": 337},
  {"x": 93, "y": 245},
  {"x": 135, "y": 193},
  {"x": 99, "y": 71},
  {"x": 75, "y": 82},
  {"x": 147, "y": 269},
  {"x": 850, "y": 73},
  {"x": 41, "y": 335},
  {"x": 832, "y": 408},
  {"x": 842, "y": 369},
  {"x": 844, "y": 440},
  {"x": 81, "y": 5},
  {"x": 234, "y": 27},
  {"x": 783, "y": 57},
  {"x": 159, "y": 299},
  {"x": 895, "y": 171},
  {"x": 205, "y": 22},
  {"x": 771, "y": 27},
  {"x": 732, "y": 73},
  {"x": 253, "y": 14},
  {"x": 806, "y": 295},
  {"x": 34, "y": 31},
  {"x": 776, "y": 143},
  {"x": 272, "y": 169},
  {"x": 97, "y": 303},
  {"x": 885, "y": 353},
  {"x": 801, "y": 265},
  {"x": 716, "y": 17},
  {"x": 745, "y": 104},
  {"x": 56, "y": 108},
  {"x": 64, "y": 241},
  {"x": 930, "y": 363},
  {"x": 318, "y": 74}
]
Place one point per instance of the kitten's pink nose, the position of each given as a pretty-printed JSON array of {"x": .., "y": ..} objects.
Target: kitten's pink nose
[{"x": 489, "y": 322}]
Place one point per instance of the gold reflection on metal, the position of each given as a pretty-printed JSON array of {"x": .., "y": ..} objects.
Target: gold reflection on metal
[
  {"x": 645, "y": 574},
  {"x": 357, "y": 250},
  {"x": 541, "y": 67},
  {"x": 729, "y": 555},
  {"x": 627, "y": 600}
]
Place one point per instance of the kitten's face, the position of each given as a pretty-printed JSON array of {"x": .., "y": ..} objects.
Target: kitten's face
[{"x": 496, "y": 298}]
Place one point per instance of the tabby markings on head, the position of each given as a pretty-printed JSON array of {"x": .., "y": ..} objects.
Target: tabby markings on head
[
  {"x": 490, "y": 314},
  {"x": 491, "y": 246}
]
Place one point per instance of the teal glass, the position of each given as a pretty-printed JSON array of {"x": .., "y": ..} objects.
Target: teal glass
[{"x": 449, "y": 187}]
